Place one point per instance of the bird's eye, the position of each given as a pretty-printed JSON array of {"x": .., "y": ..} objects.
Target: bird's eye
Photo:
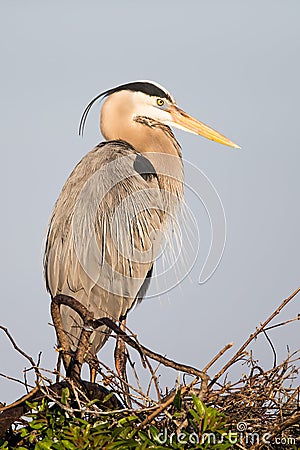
[{"x": 160, "y": 102}]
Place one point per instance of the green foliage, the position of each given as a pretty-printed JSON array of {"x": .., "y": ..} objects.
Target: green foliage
[{"x": 187, "y": 425}]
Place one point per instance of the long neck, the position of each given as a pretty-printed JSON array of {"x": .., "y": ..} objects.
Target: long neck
[
  {"x": 151, "y": 138},
  {"x": 144, "y": 134}
]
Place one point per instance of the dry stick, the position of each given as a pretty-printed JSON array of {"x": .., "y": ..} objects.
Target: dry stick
[
  {"x": 294, "y": 394},
  {"x": 240, "y": 446},
  {"x": 21, "y": 400},
  {"x": 16, "y": 380},
  {"x": 292, "y": 420},
  {"x": 221, "y": 352},
  {"x": 116, "y": 377},
  {"x": 253, "y": 336},
  {"x": 154, "y": 379},
  {"x": 26, "y": 380},
  {"x": 46, "y": 394},
  {"x": 272, "y": 347},
  {"x": 164, "y": 405},
  {"x": 146, "y": 363},
  {"x": 12, "y": 412},
  {"x": 16, "y": 347},
  {"x": 75, "y": 392},
  {"x": 119, "y": 383},
  {"x": 139, "y": 390},
  {"x": 153, "y": 355},
  {"x": 96, "y": 323},
  {"x": 283, "y": 323}
]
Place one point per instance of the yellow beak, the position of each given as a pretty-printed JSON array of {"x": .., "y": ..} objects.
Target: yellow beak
[{"x": 186, "y": 122}]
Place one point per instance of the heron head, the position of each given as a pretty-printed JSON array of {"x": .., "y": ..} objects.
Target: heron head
[{"x": 150, "y": 100}]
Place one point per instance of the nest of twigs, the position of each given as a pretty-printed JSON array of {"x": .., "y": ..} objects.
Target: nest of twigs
[{"x": 260, "y": 410}]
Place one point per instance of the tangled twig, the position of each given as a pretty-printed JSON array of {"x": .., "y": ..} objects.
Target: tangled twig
[{"x": 266, "y": 401}]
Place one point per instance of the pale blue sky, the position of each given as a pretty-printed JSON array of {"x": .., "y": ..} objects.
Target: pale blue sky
[{"x": 234, "y": 65}]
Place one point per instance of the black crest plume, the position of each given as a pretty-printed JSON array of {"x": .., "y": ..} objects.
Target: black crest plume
[{"x": 140, "y": 86}]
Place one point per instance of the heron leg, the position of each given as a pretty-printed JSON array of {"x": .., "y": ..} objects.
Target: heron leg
[
  {"x": 120, "y": 353},
  {"x": 62, "y": 338},
  {"x": 93, "y": 374},
  {"x": 120, "y": 363}
]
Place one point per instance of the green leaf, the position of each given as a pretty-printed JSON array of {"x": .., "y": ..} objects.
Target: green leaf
[
  {"x": 143, "y": 436},
  {"x": 43, "y": 445},
  {"x": 37, "y": 425},
  {"x": 201, "y": 408},
  {"x": 65, "y": 395},
  {"x": 92, "y": 402},
  {"x": 154, "y": 432},
  {"x": 24, "y": 432},
  {"x": 177, "y": 400},
  {"x": 195, "y": 415},
  {"x": 33, "y": 405},
  {"x": 205, "y": 422},
  {"x": 68, "y": 445},
  {"x": 125, "y": 420},
  {"x": 107, "y": 397}
]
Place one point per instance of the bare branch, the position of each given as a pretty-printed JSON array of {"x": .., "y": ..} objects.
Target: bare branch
[
  {"x": 16, "y": 347},
  {"x": 163, "y": 406},
  {"x": 218, "y": 355},
  {"x": 21, "y": 400},
  {"x": 90, "y": 323},
  {"x": 253, "y": 336}
]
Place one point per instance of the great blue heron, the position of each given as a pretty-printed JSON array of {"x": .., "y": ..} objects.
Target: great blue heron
[{"x": 103, "y": 235}]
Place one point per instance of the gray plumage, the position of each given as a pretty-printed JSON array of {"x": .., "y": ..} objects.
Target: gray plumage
[
  {"x": 106, "y": 228},
  {"x": 95, "y": 227}
]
